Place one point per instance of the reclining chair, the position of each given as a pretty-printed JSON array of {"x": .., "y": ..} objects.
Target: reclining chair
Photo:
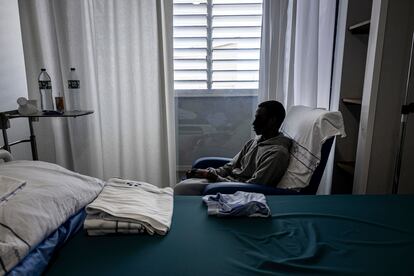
[{"x": 313, "y": 132}]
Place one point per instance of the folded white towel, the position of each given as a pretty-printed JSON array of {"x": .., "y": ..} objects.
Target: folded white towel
[
  {"x": 97, "y": 227},
  {"x": 132, "y": 204},
  {"x": 9, "y": 186}
]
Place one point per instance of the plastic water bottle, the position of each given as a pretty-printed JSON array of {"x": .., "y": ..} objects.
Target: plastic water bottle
[
  {"x": 45, "y": 88},
  {"x": 74, "y": 90}
]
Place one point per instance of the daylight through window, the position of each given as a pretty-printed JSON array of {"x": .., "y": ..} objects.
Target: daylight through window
[{"x": 217, "y": 45}]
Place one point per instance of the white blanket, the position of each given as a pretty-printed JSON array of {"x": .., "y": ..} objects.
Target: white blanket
[
  {"x": 309, "y": 128},
  {"x": 51, "y": 195},
  {"x": 126, "y": 206}
]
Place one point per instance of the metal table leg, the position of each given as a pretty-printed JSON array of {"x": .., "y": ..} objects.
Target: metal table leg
[
  {"x": 6, "y": 140},
  {"x": 33, "y": 139},
  {"x": 4, "y": 125}
]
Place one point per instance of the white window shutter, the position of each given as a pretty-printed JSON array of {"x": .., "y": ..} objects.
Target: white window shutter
[{"x": 217, "y": 44}]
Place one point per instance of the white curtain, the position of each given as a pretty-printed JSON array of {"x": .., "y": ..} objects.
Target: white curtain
[
  {"x": 296, "y": 56},
  {"x": 122, "y": 51}
]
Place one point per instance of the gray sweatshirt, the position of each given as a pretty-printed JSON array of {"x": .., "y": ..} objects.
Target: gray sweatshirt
[{"x": 262, "y": 162}]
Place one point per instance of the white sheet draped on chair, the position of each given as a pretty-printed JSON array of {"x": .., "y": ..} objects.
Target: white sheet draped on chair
[
  {"x": 122, "y": 51},
  {"x": 296, "y": 56}
]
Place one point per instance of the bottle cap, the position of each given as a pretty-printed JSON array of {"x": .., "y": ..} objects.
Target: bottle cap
[
  {"x": 72, "y": 69},
  {"x": 43, "y": 69}
]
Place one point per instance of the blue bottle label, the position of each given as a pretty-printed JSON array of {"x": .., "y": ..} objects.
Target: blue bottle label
[
  {"x": 45, "y": 85},
  {"x": 73, "y": 84}
]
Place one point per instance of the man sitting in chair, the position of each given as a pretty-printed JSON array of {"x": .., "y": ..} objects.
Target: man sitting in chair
[{"x": 262, "y": 160}]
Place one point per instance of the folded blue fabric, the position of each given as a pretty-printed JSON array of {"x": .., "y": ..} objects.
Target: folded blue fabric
[{"x": 237, "y": 205}]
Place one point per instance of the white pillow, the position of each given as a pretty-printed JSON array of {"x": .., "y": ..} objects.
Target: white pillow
[
  {"x": 9, "y": 186},
  {"x": 51, "y": 195},
  {"x": 309, "y": 128}
]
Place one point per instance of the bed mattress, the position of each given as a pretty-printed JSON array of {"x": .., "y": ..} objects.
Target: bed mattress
[
  {"x": 305, "y": 235},
  {"x": 38, "y": 259}
]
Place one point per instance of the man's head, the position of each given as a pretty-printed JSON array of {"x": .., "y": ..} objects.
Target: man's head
[{"x": 269, "y": 117}]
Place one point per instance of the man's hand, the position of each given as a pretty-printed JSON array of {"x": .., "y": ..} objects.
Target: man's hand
[{"x": 201, "y": 173}]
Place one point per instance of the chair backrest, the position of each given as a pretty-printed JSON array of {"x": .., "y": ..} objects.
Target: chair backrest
[
  {"x": 312, "y": 131},
  {"x": 313, "y": 186}
]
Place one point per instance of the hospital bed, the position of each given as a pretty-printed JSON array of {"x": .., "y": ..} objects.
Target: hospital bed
[
  {"x": 370, "y": 235},
  {"x": 338, "y": 234},
  {"x": 307, "y": 234}
]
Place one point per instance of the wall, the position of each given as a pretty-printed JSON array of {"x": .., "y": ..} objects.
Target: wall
[
  {"x": 407, "y": 173},
  {"x": 384, "y": 88},
  {"x": 12, "y": 74},
  {"x": 406, "y": 185},
  {"x": 393, "y": 76}
]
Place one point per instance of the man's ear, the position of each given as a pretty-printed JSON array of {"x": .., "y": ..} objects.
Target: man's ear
[{"x": 273, "y": 121}]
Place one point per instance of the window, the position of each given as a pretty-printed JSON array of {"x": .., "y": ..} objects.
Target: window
[
  {"x": 217, "y": 46},
  {"x": 216, "y": 72}
]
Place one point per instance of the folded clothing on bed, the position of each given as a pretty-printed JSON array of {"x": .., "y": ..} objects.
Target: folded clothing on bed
[
  {"x": 130, "y": 207},
  {"x": 97, "y": 227},
  {"x": 237, "y": 204}
]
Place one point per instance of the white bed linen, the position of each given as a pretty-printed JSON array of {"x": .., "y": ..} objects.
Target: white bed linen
[
  {"x": 9, "y": 186},
  {"x": 133, "y": 202},
  {"x": 51, "y": 195},
  {"x": 99, "y": 227}
]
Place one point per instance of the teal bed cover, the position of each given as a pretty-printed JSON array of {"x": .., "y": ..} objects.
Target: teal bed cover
[{"x": 317, "y": 235}]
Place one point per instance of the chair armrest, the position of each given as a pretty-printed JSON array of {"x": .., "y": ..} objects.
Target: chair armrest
[
  {"x": 232, "y": 187},
  {"x": 213, "y": 162}
]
